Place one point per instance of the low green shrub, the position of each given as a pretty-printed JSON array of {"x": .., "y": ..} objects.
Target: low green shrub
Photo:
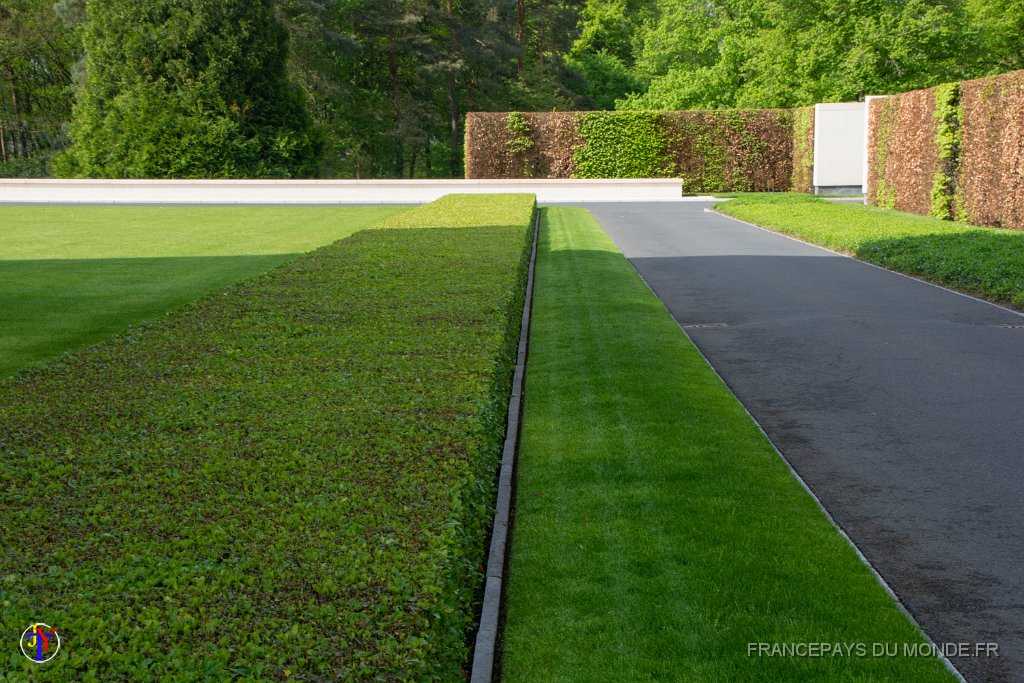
[
  {"x": 466, "y": 211},
  {"x": 291, "y": 478}
]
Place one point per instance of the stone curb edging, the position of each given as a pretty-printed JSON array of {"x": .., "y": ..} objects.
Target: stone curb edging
[{"x": 485, "y": 651}]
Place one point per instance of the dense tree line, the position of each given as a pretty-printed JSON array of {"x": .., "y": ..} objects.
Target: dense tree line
[{"x": 379, "y": 88}]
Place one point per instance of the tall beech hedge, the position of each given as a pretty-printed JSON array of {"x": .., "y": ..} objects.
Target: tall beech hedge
[
  {"x": 990, "y": 183},
  {"x": 289, "y": 479},
  {"x": 711, "y": 151},
  {"x": 803, "y": 150},
  {"x": 954, "y": 151}
]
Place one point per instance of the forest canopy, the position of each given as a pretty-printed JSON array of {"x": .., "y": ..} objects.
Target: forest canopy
[{"x": 380, "y": 88}]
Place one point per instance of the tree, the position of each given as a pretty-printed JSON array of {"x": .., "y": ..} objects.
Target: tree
[
  {"x": 999, "y": 25},
  {"x": 782, "y": 53},
  {"x": 191, "y": 89},
  {"x": 37, "y": 58}
]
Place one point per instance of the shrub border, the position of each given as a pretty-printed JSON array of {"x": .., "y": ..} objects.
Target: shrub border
[{"x": 485, "y": 652}]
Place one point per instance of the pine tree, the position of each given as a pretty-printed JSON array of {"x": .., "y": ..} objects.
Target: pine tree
[{"x": 189, "y": 89}]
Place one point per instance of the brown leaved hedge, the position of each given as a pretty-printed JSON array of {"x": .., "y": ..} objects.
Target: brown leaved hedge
[{"x": 953, "y": 151}]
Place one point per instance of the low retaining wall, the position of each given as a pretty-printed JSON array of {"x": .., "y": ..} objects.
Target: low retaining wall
[{"x": 326, "y": 191}]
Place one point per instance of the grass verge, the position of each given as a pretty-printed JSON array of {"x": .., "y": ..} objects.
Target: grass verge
[
  {"x": 71, "y": 276},
  {"x": 657, "y": 532},
  {"x": 987, "y": 262},
  {"x": 289, "y": 478}
]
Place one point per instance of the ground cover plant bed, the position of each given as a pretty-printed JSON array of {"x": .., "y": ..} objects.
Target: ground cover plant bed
[
  {"x": 987, "y": 262},
  {"x": 288, "y": 479},
  {"x": 71, "y": 276},
  {"x": 657, "y": 533}
]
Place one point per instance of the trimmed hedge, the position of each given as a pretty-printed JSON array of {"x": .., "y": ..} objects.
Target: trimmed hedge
[
  {"x": 803, "y": 150},
  {"x": 711, "y": 151},
  {"x": 492, "y": 150},
  {"x": 990, "y": 178},
  {"x": 902, "y": 151},
  {"x": 732, "y": 150},
  {"x": 291, "y": 478},
  {"x": 467, "y": 211},
  {"x": 953, "y": 151}
]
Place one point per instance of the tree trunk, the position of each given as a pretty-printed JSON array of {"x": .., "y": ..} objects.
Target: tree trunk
[
  {"x": 397, "y": 101},
  {"x": 3, "y": 142},
  {"x": 453, "y": 109},
  {"x": 520, "y": 30},
  {"x": 17, "y": 133},
  {"x": 453, "y": 105}
]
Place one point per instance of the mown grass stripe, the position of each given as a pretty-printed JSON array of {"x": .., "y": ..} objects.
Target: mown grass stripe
[
  {"x": 657, "y": 533},
  {"x": 292, "y": 477}
]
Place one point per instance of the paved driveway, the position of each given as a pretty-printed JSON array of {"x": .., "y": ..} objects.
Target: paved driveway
[{"x": 900, "y": 404}]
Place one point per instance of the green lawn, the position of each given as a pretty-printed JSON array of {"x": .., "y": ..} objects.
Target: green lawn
[
  {"x": 289, "y": 479},
  {"x": 986, "y": 262},
  {"x": 657, "y": 532},
  {"x": 71, "y": 276}
]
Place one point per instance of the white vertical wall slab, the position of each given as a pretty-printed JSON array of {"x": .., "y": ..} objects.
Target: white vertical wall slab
[
  {"x": 840, "y": 143},
  {"x": 328, "y": 191}
]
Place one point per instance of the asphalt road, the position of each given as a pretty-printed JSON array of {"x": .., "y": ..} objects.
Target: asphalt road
[{"x": 899, "y": 403}]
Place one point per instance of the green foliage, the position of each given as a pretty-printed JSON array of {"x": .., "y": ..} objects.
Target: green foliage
[
  {"x": 293, "y": 477},
  {"x": 988, "y": 262},
  {"x": 782, "y": 53},
  {"x": 37, "y": 166},
  {"x": 38, "y": 57},
  {"x": 621, "y": 413},
  {"x": 388, "y": 83},
  {"x": 188, "y": 90},
  {"x": 520, "y": 141},
  {"x": 948, "y": 140},
  {"x": 606, "y": 78},
  {"x": 622, "y": 145},
  {"x": 611, "y": 27}
]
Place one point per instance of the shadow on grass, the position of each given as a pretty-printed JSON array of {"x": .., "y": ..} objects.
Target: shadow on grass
[
  {"x": 55, "y": 305},
  {"x": 989, "y": 263}
]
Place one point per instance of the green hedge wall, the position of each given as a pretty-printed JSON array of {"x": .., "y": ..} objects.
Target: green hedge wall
[{"x": 289, "y": 479}]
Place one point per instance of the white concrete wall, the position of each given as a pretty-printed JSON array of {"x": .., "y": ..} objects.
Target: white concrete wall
[
  {"x": 327, "y": 191},
  {"x": 840, "y": 142}
]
